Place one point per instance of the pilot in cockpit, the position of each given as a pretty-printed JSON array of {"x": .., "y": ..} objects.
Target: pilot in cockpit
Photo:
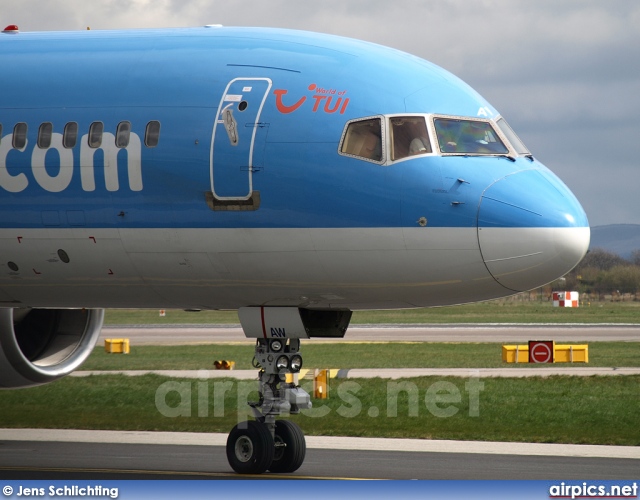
[{"x": 419, "y": 145}]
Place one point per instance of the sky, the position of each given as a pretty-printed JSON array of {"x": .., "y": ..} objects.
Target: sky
[{"x": 564, "y": 73}]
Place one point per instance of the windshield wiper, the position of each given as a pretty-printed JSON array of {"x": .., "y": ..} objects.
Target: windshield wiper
[{"x": 508, "y": 157}]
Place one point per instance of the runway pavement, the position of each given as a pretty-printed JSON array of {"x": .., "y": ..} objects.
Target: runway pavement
[
  {"x": 182, "y": 334},
  {"x": 387, "y": 373},
  {"x": 65, "y": 454}
]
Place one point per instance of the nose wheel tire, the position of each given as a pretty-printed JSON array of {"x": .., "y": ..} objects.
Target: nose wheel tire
[
  {"x": 250, "y": 448},
  {"x": 290, "y": 447}
]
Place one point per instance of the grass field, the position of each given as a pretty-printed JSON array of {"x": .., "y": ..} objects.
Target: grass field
[
  {"x": 346, "y": 355},
  {"x": 594, "y": 410},
  {"x": 503, "y": 311}
]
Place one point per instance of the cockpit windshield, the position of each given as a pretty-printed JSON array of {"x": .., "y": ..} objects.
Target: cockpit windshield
[
  {"x": 515, "y": 141},
  {"x": 464, "y": 136},
  {"x": 390, "y": 138},
  {"x": 409, "y": 137}
]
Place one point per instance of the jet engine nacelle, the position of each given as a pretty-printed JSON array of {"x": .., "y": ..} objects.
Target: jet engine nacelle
[{"x": 38, "y": 346}]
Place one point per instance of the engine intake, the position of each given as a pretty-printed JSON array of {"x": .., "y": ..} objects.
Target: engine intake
[{"x": 38, "y": 346}]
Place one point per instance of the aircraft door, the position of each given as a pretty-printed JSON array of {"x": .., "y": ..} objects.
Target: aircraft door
[{"x": 237, "y": 136}]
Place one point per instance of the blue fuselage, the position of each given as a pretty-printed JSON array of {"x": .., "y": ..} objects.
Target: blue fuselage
[{"x": 245, "y": 131}]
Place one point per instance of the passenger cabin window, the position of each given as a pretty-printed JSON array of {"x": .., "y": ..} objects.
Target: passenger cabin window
[
  {"x": 95, "y": 134},
  {"x": 409, "y": 137},
  {"x": 471, "y": 137},
  {"x": 363, "y": 139},
  {"x": 20, "y": 135},
  {"x": 70, "y": 135},
  {"x": 123, "y": 133},
  {"x": 152, "y": 134},
  {"x": 44, "y": 135}
]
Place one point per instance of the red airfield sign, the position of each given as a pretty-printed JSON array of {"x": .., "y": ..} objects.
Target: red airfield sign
[{"x": 541, "y": 351}]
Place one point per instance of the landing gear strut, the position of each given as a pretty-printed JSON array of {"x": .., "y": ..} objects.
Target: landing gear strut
[{"x": 267, "y": 443}]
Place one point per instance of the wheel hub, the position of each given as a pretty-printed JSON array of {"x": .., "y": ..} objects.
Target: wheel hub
[{"x": 244, "y": 449}]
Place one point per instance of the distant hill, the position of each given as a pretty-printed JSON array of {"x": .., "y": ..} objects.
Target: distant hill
[{"x": 621, "y": 239}]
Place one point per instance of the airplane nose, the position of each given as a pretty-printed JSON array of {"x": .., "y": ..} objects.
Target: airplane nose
[{"x": 531, "y": 229}]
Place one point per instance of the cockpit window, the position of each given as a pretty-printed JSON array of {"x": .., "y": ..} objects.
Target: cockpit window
[
  {"x": 363, "y": 139},
  {"x": 463, "y": 136},
  {"x": 409, "y": 137},
  {"x": 515, "y": 141}
]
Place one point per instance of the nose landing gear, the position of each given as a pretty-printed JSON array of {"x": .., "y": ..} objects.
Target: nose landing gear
[{"x": 266, "y": 443}]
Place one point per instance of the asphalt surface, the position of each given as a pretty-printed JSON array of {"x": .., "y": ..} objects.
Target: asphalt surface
[
  {"x": 101, "y": 455},
  {"x": 181, "y": 334}
]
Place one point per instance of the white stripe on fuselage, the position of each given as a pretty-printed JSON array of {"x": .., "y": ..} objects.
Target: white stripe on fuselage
[{"x": 355, "y": 268}]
